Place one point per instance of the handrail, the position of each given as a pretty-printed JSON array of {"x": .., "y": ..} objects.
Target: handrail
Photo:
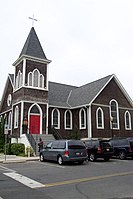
[
  {"x": 55, "y": 133},
  {"x": 32, "y": 141}
]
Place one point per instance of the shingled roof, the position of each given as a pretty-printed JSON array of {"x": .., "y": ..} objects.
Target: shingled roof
[
  {"x": 59, "y": 94},
  {"x": 32, "y": 46},
  {"x": 70, "y": 96}
]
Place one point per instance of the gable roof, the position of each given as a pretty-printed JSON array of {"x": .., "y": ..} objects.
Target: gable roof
[
  {"x": 85, "y": 94},
  {"x": 58, "y": 94},
  {"x": 32, "y": 46},
  {"x": 61, "y": 95},
  {"x": 10, "y": 78}
]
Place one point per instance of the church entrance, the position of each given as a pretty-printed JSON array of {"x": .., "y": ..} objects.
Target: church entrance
[{"x": 34, "y": 126}]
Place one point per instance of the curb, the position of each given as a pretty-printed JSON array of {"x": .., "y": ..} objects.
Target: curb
[{"x": 18, "y": 160}]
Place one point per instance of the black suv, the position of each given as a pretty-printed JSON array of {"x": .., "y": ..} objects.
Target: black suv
[
  {"x": 123, "y": 147},
  {"x": 98, "y": 148}
]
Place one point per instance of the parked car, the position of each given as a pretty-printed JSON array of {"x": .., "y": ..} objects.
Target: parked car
[
  {"x": 123, "y": 147},
  {"x": 98, "y": 148},
  {"x": 64, "y": 151}
]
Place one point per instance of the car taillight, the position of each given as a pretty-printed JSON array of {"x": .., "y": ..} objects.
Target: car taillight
[
  {"x": 66, "y": 153},
  {"x": 99, "y": 150}
]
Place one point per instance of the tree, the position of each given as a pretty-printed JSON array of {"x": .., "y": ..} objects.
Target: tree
[{"x": 1, "y": 136}]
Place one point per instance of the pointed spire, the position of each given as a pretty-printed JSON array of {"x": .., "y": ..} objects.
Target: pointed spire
[{"x": 32, "y": 46}]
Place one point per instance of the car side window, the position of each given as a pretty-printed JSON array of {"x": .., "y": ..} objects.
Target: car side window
[
  {"x": 62, "y": 145},
  {"x": 55, "y": 144}
]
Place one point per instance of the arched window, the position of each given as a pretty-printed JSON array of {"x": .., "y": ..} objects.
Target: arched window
[
  {"x": 36, "y": 78},
  {"x": 127, "y": 120},
  {"x": 10, "y": 121},
  {"x": 114, "y": 114},
  {"x": 99, "y": 118},
  {"x": 19, "y": 79},
  {"x": 16, "y": 82},
  {"x": 82, "y": 119},
  {"x": 35, "y": 110},
  {"x": 16, "y": 116},
  {"x": 68, "y": 119},
  {"x": 56, "y": 118},
  {"x": 41, "y": 81},
  {"x": 30, "y": 79}
]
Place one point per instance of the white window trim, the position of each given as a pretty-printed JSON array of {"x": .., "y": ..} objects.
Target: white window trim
[
  {"x": 30, "y": 74},
  {"x": 117, "y": 114},
  {"x": 98, "y": 127},
  {"x": 58, "y": 127},
  {"x": 36, "y": 70},
  {"x": 127, "y": 112},
  {"x": 39, "y": 76},
  {"x": 70, "y": 120},
  {"x": 10, "y": 121},
  {"x": 82, "y": 109},
  {"x": 16, "y": 117},
  {"x": 40, "y": 113},
  {"x": 19, "y": 80}
]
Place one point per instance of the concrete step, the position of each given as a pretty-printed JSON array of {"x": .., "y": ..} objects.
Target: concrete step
[{"x": 46, "y": 138}]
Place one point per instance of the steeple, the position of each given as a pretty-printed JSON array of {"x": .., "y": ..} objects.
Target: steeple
[{"x": 32, "y": 46}]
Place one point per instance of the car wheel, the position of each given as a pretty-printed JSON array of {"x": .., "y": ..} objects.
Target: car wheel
[
  {"x": 60, "y": 160},
  {"x": 92, "y": 157},
  {"x": 41, "y": 158},
  {"x": 122, "y": 155}
]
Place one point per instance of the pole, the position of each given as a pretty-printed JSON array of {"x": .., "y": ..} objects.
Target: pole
[
  {"x": 5, "y": 145},
  {"x": 112, "y": 129}
]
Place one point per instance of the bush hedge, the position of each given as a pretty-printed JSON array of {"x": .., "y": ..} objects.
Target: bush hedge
[{"x": 15, "y": 149}]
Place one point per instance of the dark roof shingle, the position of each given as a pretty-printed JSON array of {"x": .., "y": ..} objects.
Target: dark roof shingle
[
  {"x": 32, "y": 46},
  {"x": 71, "y": 96}
]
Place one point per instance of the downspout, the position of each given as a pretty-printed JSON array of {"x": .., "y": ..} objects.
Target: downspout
[
  {"x": 89, "y": 127},
  {"x": 47, "y": 121},
  {"x": 21, "y": 118}
]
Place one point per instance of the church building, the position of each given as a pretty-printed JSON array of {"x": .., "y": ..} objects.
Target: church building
[{"x": 32, "y": 105}]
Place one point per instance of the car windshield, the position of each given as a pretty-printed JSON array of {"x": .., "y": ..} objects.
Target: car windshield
[
  {"x": 105, "y": 144},
  {"x": 49, "y": 145}
]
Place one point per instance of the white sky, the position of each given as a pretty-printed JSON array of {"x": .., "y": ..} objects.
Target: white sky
[{"x": 85, "y": 39}]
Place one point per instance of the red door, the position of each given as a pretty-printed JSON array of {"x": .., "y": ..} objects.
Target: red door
[{"x": 34, "y": 124}]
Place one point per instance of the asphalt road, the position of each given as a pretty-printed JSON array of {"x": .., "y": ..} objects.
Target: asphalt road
[{"x": 47, "y": 180}]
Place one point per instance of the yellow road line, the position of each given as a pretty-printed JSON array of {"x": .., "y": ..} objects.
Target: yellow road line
[{"x": 87, "y": 179}]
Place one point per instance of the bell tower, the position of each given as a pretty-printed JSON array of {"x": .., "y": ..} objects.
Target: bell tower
[{"x": 31, "y": 86}]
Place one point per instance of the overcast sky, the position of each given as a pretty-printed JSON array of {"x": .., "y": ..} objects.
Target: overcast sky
[{"x": 85, "y": 39}]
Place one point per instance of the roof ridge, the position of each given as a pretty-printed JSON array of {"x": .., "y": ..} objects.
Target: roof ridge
[
  {"x": 68, "y": 98},
  {"x": 96, "y": 80},
  {"x": 63, "y": 84}
]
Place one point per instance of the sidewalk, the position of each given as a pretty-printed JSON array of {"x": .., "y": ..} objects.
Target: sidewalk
[{"x": 16, "y": 159}]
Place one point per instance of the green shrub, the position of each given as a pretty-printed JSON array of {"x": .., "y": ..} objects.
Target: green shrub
[
  {"x": 1, "y": 150},
  {"x": 8, "y": 149},
  {"x": 17, "y": 148},
  {"x": 74, "y": 135}
]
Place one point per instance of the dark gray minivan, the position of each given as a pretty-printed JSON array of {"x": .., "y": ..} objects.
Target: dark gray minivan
[{"x": 64, "y": 151}]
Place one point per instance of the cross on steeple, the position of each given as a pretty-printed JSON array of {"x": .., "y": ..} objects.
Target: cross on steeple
[{"x": 33, "y": 19}]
